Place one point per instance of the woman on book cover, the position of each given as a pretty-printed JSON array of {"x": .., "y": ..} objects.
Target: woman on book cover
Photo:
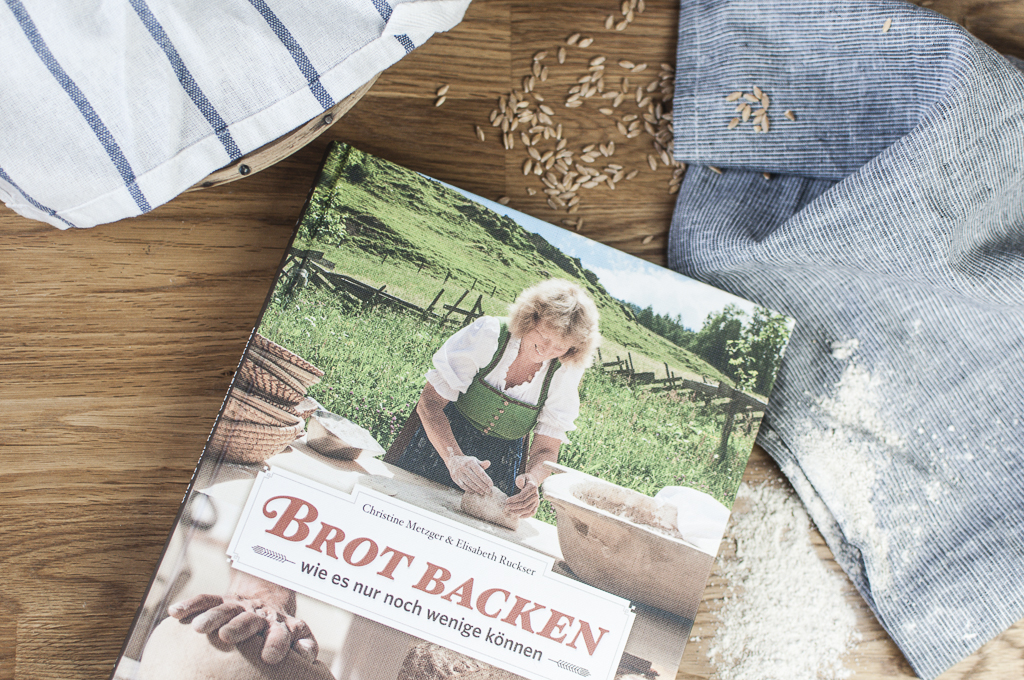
[{"x": 494, "y": 384}]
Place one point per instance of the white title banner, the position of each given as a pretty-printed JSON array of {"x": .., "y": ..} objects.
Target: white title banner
[{"x": 429, "y": 576}]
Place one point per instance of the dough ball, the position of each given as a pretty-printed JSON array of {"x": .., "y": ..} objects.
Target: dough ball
[
  {"x": 177, "y": 652},
  {"x": 489, "y": 507}
]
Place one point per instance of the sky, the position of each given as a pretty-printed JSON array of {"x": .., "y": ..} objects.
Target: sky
[{"x": 629, "y": 278}]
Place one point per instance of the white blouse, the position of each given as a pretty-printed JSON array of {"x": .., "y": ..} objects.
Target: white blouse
[{"x": 469, "y": 350}]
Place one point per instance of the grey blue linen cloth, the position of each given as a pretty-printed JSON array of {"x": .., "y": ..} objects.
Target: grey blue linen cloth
[
  {"x": 892, "y": 229},
  {"x": 109, "y": 109}
]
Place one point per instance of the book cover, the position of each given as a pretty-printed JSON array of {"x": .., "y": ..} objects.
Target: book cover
[{"x": 461, "y": 443}]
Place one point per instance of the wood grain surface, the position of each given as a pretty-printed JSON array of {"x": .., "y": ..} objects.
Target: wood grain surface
[{"x": 119, "y": 342}]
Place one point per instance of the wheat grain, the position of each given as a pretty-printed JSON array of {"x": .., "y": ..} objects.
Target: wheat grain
[
  {"x": 586, "y": 42},
  {"x": 609, "y": 22},
  {"x": 540, "y": 55},
  {"x": 733, "y": 123},
  {"x": 561, "y": 55},
  {"x": 887, "y": 25},
  {"x": 480, "y": 133},
  {"x": 440, "y": 100},
  {"x": 647, "y": 239},
  {"x": 734, "y": 96},
  {"x": 572, "y": 39},
  {"x": 443, "y": 90},
  {"x": 714, "y": 169},
  {"x": 626, "y": 64},
  {"x": 790, "y": 115}
]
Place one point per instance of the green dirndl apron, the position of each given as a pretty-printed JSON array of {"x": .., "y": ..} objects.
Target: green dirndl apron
[{"x": 487, "y": 424}]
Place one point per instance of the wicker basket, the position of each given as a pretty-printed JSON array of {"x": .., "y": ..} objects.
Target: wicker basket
[
  {"x": 297, "y": 371},
  {"x": 270, "y": 347},
  {"x": 243, "y": 442},
  {"x": 252, "y": 409},
  {"x": 267, "y": 380}
]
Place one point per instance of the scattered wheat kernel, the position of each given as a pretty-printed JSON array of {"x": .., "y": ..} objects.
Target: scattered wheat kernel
[
  {"x": 765, "y": 124},
  {"x": 543, "y": 74},
  {"x": 561, "y": 55},
  {"x": 534, "y": 153},
  {"x": 740, "y": 107},
  {"x": 630, "y": 16},
  {"x": 618, "y": 100},
  {"x": 632, "y": 173},
  {"x": 440, "y": 100},
  {"x": 674, "y": 188},
  {"x": 757, "y": 91},
  {"x": 766, "y": 175},
  {"x": 639, "y": 67},
  {"x": 751, "y": 98},
  {"x": 535, "y": 69},
  {"x": 579, "y": 222},
  {"x": 757, "y": 128},
  {"x": 443, "y": 90},
  {"x": 765, "y": 101},
  {"x": 609, "y": 21},
  {"x": 538, "y": 170},
  {"x": 640, "y": 6},
  {"x": 621, "y": 26},
  {"x": 558, "y": 131},
  {"x": 666, "y": 159},
  {"x": 572, "y": 39},
  {"x": 586, "y": 42},
  {"x": 480, "y": 133},
  {"x": 597, "y": 61},
  {"x": 627, "y": 64},
  {"x": 553, "y": 205},
  {"x": 647, "y": 239},
  {"x": 526, "y": 139},
  {"x": 643, "y": 103},
  {"x": 587, "y": 158},
  {"x": 746, "y": 113},
  {"x": 573, "y": 105},
  {"x": 540, "y": 55},
  {"x": 504, "y": 200},
  {"x": 621, "y": 127},
  {"x": 531, "y": 191},
  {"x": 790, "y": 115},
  {"x": 652, "y": 161},
  {"x": 624, "y": 7},
  {"x": 733, "y": 123},
  {"x": 887, "y": 25},
  {"x": 611, "y": 147}
]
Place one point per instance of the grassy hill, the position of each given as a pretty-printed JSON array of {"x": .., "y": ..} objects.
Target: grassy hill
[{"x": 386, "y": 225}]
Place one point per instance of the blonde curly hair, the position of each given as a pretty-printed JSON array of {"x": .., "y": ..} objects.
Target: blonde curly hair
[{"x": 565, "y": 307}]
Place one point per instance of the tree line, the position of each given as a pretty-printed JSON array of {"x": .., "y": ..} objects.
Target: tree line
[{"x": 746, "y": 348}]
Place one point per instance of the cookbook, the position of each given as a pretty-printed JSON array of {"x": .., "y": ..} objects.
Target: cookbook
[{"x": 460, "y": 443}]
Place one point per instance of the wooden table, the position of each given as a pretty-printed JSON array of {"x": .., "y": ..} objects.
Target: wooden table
[{"x": 119, "y": 342}]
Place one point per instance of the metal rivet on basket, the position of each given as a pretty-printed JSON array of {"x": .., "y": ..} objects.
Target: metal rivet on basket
[
  {"x": 243, "y": 169},
  {"x": 328, "y": 119},
  {"x": 207, "y": 184}
]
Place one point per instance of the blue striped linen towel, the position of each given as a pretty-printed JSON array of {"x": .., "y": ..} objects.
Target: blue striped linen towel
[
  {"x": 109, "y": 109},
  {"x": 892, "y": 230}
]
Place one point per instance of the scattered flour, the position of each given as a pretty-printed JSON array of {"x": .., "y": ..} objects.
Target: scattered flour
[
  {"x": 852, "y": 438},
  {"x": 844, "y": 349},
  {"x": 785, "y": 617}
]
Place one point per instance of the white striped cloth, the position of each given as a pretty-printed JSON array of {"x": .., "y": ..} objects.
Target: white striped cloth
[{"x": 111, "y": 108}]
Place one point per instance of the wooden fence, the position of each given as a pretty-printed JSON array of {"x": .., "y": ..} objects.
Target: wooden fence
[
  {"x": 730, "y": 401},
  {"x": 312, "y": 268}
]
